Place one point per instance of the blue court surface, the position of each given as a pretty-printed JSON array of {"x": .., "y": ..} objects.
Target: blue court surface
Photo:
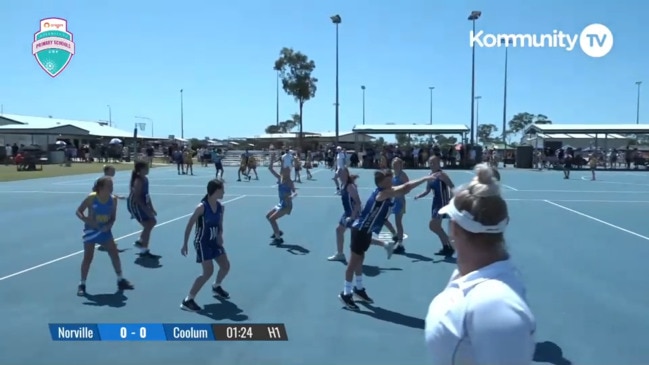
[{"x": 581, "y": 245}]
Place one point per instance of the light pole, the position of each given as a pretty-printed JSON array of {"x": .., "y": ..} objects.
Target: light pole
[
  {"x": 363, "y": 88},
  {"x": 477, "y": 115},
  {"x": 637, "y": 107},
  {"x": 337, "y": 20},
  {"x": 149, "y": 120},
  {"x": 277, "y": 100},
  {"x": 182, "y": 122},
  {"x": 430, "y": 116},
  {"x": 507, "y": 43},
  {"x": 475, "y": 15},
  {"x": 110, "y": 116}
]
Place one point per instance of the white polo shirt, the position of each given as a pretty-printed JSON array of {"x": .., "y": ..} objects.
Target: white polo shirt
[
  {"x": 287, "y": 160},
  {"x": 341, "y": 160},
  {"x": 482, "y": 318}
]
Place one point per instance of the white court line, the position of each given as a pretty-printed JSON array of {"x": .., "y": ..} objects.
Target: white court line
[
  {"x": 116, "y": 239},
  {"x": 586, "y": 178},
  {"x": 586, "y": 191},
  {"x": 598, "y": 220}
]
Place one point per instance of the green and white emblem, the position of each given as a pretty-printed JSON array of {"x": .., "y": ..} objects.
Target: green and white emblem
[{"x": 53, "y": 46}]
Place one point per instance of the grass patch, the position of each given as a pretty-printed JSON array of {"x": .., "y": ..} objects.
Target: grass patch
[{"x": 9, "y": 173}]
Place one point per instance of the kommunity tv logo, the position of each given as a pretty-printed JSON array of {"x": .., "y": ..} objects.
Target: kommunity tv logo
[{"x": 595, "y": 40}]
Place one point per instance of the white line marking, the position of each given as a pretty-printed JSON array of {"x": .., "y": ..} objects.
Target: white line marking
[
  {"x": 586, "y": 178},
  {"x": 598, "y": 220},
  {"x": 116, "y": 239},
  {"x": 509, "y": 187},
  {"x": 586, "y": 191}
]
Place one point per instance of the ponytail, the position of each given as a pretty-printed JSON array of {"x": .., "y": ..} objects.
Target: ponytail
[
  {"x": 134, "y": 176},
  {"x": 205, "y": 198}
]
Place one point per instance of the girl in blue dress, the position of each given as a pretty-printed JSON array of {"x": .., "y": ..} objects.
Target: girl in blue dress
[
  {"x": 98, "y": 212},
  {"x": 351, "y": 209},
  {"x": 441, "y": 187},
  {"x": 286, "y": 191},
  {"x": 208, "y": 242},
  {"x": 141, "y": 207}
]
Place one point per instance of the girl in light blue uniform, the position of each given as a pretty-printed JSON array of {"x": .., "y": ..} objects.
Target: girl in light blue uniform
[
  {"x": 399, "y": 206},
  {"x": 351, "y": 209},
  {"x": 286, "y": 192},
  {"x": 101, "y": 209},
  {"x": 208, "y": 242},
  {"x": 441, "y": 186},
  {"x": 217, "y": 158}
]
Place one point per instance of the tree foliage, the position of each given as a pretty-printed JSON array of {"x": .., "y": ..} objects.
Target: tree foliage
[
  {"x": 295, "y": 70},
  {"x": 485, "y": 133},
  {"x": 284, "y": 127},
  {"x": 520, "y": 121}
]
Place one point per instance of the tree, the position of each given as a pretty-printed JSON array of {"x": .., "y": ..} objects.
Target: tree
[
  {"x": 520, "y": 121},
  {"x": 295, "y": 70},
  {"x": 485, "y": 131},
  {"x": 285, "y": 126}
]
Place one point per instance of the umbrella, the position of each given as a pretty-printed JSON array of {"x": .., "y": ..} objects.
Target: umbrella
[
  {"x": 61, "y": 143},
  {"x": 115, "y": 141}
]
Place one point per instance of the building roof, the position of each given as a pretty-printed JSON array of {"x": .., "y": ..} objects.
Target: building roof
[
  {"x": 305, "y": 134},
  {"x": 589, "y": 128},
  {"x": 578, "y": 136},
  {"x": 411, "y": 128},
  {"x": 41, "y": 123}
]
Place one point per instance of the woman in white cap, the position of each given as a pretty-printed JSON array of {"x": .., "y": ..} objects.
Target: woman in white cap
[{"x": 482, "y": 316}]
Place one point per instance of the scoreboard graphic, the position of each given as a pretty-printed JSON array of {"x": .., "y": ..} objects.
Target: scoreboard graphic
[{"x": 167, "y": 332}]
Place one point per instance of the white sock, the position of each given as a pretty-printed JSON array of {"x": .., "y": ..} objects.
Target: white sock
[
  {"x": 348, "y": 288},
  {"x": 82, "y": 282},
  {"x": 359, "y": 282},
  {"x": 189, "y": 297},
  {"x": 119, "y": 277},
  {"x": 216, "y": 285},
  {"x": 144, "y": 250}
]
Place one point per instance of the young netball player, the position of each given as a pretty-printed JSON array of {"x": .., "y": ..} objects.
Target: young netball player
[
  {"x": 592, "y": 163},
  {"x": 208, "y": 242},
  {"x": 370, "y": 221},
  {"x": 141, "y": 207},
  {"x": 217, "y": 158},
  {"x": 399, "y": 207},
  {"x": 297, "y": 164},
  {"x": 188, "y": 159},
  {"x": 98, "y": 212},
  {"x": 441, "y": 186},
  {"x": 109, "y": 171},
  {"x": 243, "y": 167},
  {"x": 308, "y": 165},
  {"x": 351, "y": 209},
  {"x": 252, "y": 166},
  {"x": 286, "y": 191}
]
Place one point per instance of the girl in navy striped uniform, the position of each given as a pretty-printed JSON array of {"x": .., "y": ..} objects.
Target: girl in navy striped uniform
[
  {"x": 101, "y": 208},
  {"x": 441, "y": 186},
  {"x": 141, "y": 208},
  {"x": 286, "y": 191},
  {"x": 351, "y": 209},
  {"x": 208, "y": 242},
  {"x": 371, "y": 220}
]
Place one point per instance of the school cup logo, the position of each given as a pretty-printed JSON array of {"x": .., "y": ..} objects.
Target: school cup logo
[{"x": 53, "y": 46}]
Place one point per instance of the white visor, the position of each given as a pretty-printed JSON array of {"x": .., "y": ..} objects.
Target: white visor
[{"x": 465, "y": 220}]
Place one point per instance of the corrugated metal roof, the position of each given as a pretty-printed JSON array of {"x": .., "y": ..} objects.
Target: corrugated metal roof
[
  {"x": 93, "y": 128},
  {"x": 578, "y": 136},
  {"x": 410, "y": 128},
  {"x": 590, "y": 128}
]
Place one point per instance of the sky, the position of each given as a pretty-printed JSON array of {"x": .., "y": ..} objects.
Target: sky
[{"x": 136, "y": 56}]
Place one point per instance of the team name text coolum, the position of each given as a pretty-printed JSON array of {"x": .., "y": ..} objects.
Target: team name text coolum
[{"x": 556, "y": 39}]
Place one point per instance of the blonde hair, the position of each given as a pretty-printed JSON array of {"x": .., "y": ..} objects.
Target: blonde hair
[{"x": 482, "y": 199}]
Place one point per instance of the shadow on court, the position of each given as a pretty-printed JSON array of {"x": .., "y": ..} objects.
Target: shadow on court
[
  {"x": 415, "y": 257},
  {"x": 148, "y": 262},
  {"x": 392, "y": 317},
  {"x": 448, "y": 260},
  {"x": 224, "y": 310},
  {"x": 372, "y": 271},
  {"x": 550, "y": 352},
  {"x": 294, "y": 249},
  {"x": 114, "y": 300}
]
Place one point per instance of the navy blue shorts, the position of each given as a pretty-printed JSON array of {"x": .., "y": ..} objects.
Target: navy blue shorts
[
  {"x": 207, "y": 250},
  {"x": 435, "y": 214},
  {"x": 343, "y": 221},
  {"x": 138, "y": 213},
  {"x": 219, "y": 166}
]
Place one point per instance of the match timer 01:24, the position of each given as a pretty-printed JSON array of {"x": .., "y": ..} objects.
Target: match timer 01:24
[{"x": 168, "y": 332}]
